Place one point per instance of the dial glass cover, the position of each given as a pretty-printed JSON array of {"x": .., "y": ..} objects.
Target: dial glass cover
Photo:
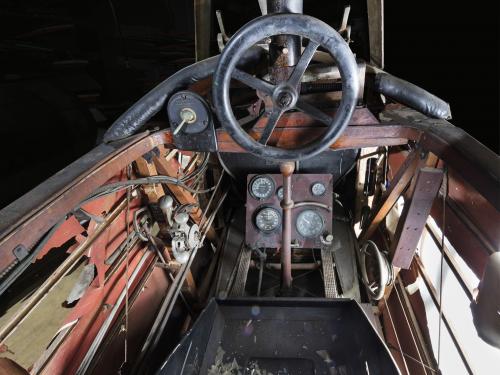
[
  {"x": 262, "y": 187},
  {"x": 318, "y": 189},
  {"x": 309, "y": 223},
  {"x": 279, "y": 193},
  {"x": 268, "y": 219}
]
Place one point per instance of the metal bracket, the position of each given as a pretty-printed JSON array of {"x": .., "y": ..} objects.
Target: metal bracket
[
  {"x": 222, "y": 37},
  {"x": 20, "y": 252}
]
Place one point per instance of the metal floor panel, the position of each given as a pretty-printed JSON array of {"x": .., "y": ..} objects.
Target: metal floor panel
[{"x": 281, "y": 336}]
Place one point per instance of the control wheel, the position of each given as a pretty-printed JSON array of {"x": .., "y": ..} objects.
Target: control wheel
[{"x": 285, "y": 96}]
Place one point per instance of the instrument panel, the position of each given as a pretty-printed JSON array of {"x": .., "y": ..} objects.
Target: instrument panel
[{"x": 311, "y": 218}]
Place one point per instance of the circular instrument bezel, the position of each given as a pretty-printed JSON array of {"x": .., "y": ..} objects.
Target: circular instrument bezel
[
  {"x": 317, "y": 233},
  {"x": 280, "y": 193},
  {"x": 318, "y": 183},
  {"x": 264, "y": 208},
  {"x": 187, "y": 100},
  {"x": 271, "y": 190}
]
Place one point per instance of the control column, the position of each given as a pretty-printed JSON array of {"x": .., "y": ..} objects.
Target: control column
[{"x": 286, "y": 170}]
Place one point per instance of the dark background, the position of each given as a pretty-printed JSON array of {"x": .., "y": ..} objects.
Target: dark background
[
  {"x": 69, "y": 68},
  {"x": 451, "y": 49}
]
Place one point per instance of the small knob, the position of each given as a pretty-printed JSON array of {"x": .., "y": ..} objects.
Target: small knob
[
  {"x": 327, "y": 239},
  {"x": 181, "y": 218},
  {"x": 166, "y": 202},
  {"x": 188, "y": 116}
]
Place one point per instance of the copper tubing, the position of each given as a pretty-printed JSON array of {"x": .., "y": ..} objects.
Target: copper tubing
[
  {"x": 287, "y": 169},
  {"x": 55, "y": 277}
]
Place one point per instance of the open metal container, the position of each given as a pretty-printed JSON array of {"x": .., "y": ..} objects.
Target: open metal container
[{"x": 281, "y": 336}]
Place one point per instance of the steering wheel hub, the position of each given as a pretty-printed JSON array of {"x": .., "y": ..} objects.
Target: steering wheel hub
[{"x": 285, "y": 97}]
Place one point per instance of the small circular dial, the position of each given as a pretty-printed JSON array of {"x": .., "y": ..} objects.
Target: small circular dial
[
  {"x": 268, "y": 219},
  {"x": 309, "y": 223},
  {"x": 262, "y": 187},
  {"x": 318, "y": 189},
  {"x": 279, "y": 193}
]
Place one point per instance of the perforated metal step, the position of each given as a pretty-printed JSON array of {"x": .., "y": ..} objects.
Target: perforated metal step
[
  {"x": 238, "y": 289},
  {"x": 328, "y": 272}
]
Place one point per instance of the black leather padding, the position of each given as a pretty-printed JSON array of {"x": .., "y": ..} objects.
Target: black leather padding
[
  {"x": 132, "y": 120},
  {"x": 411, "y": 95}
]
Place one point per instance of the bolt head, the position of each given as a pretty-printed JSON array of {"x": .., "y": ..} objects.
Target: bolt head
[{"x": 284, "y": 99}]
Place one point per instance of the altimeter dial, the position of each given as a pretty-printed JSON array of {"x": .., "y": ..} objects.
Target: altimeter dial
[{"x": 310, "y": 223}]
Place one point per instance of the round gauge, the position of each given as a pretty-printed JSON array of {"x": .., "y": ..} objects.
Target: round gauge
[
  {"x": 318, "y": 188},
  {"x": 268, "y": 219},
  {"x": 279, "y": 193},
  {"x": 309, "y": 223},
  {"x": 262, "y": 187}
]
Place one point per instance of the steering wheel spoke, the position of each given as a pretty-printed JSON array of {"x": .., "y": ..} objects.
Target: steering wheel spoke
[
  {"x": 253, "y": 82},
  {"x": 271, "y": 124},
  {"x": 303, "y": 63},
  {"x": 314, "y": 112}
]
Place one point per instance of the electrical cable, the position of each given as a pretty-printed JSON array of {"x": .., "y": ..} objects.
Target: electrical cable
[
  {"x": 202, "y": 223},
  {"x": 141, "y": 235},
  {"x": 121, "y": 185},
  {"x": 443, "y": 229},
  {"x": 150, "y": 180},
  {"x": 421, "y": 361},
  {"x": 396, "y": 335},
  {"x": 127, "y": 275},
  {"x": 224, "y": 166},
  {"x": 198, "y": 171}
]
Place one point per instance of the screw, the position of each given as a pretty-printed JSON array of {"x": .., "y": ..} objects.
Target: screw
[{"x": 285, "y": 99}]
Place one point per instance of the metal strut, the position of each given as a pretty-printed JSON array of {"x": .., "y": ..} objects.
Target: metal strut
[{"x": 284, "y": 50}]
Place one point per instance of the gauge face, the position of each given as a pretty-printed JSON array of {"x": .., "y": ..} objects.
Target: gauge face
[
  {"x": 268, "y": 219},
  {"x": 309, "y": 223},
  {"x": 279, "y": 193},
  {"x": 318, "y": 189},
  {"x": 262, "y": 187}
]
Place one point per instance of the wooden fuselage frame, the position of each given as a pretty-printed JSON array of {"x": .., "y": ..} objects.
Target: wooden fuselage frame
[{"x": 474, "y": 174}]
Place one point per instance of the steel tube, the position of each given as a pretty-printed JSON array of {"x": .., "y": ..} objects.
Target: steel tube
[{"x": 284, "y": 50}]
